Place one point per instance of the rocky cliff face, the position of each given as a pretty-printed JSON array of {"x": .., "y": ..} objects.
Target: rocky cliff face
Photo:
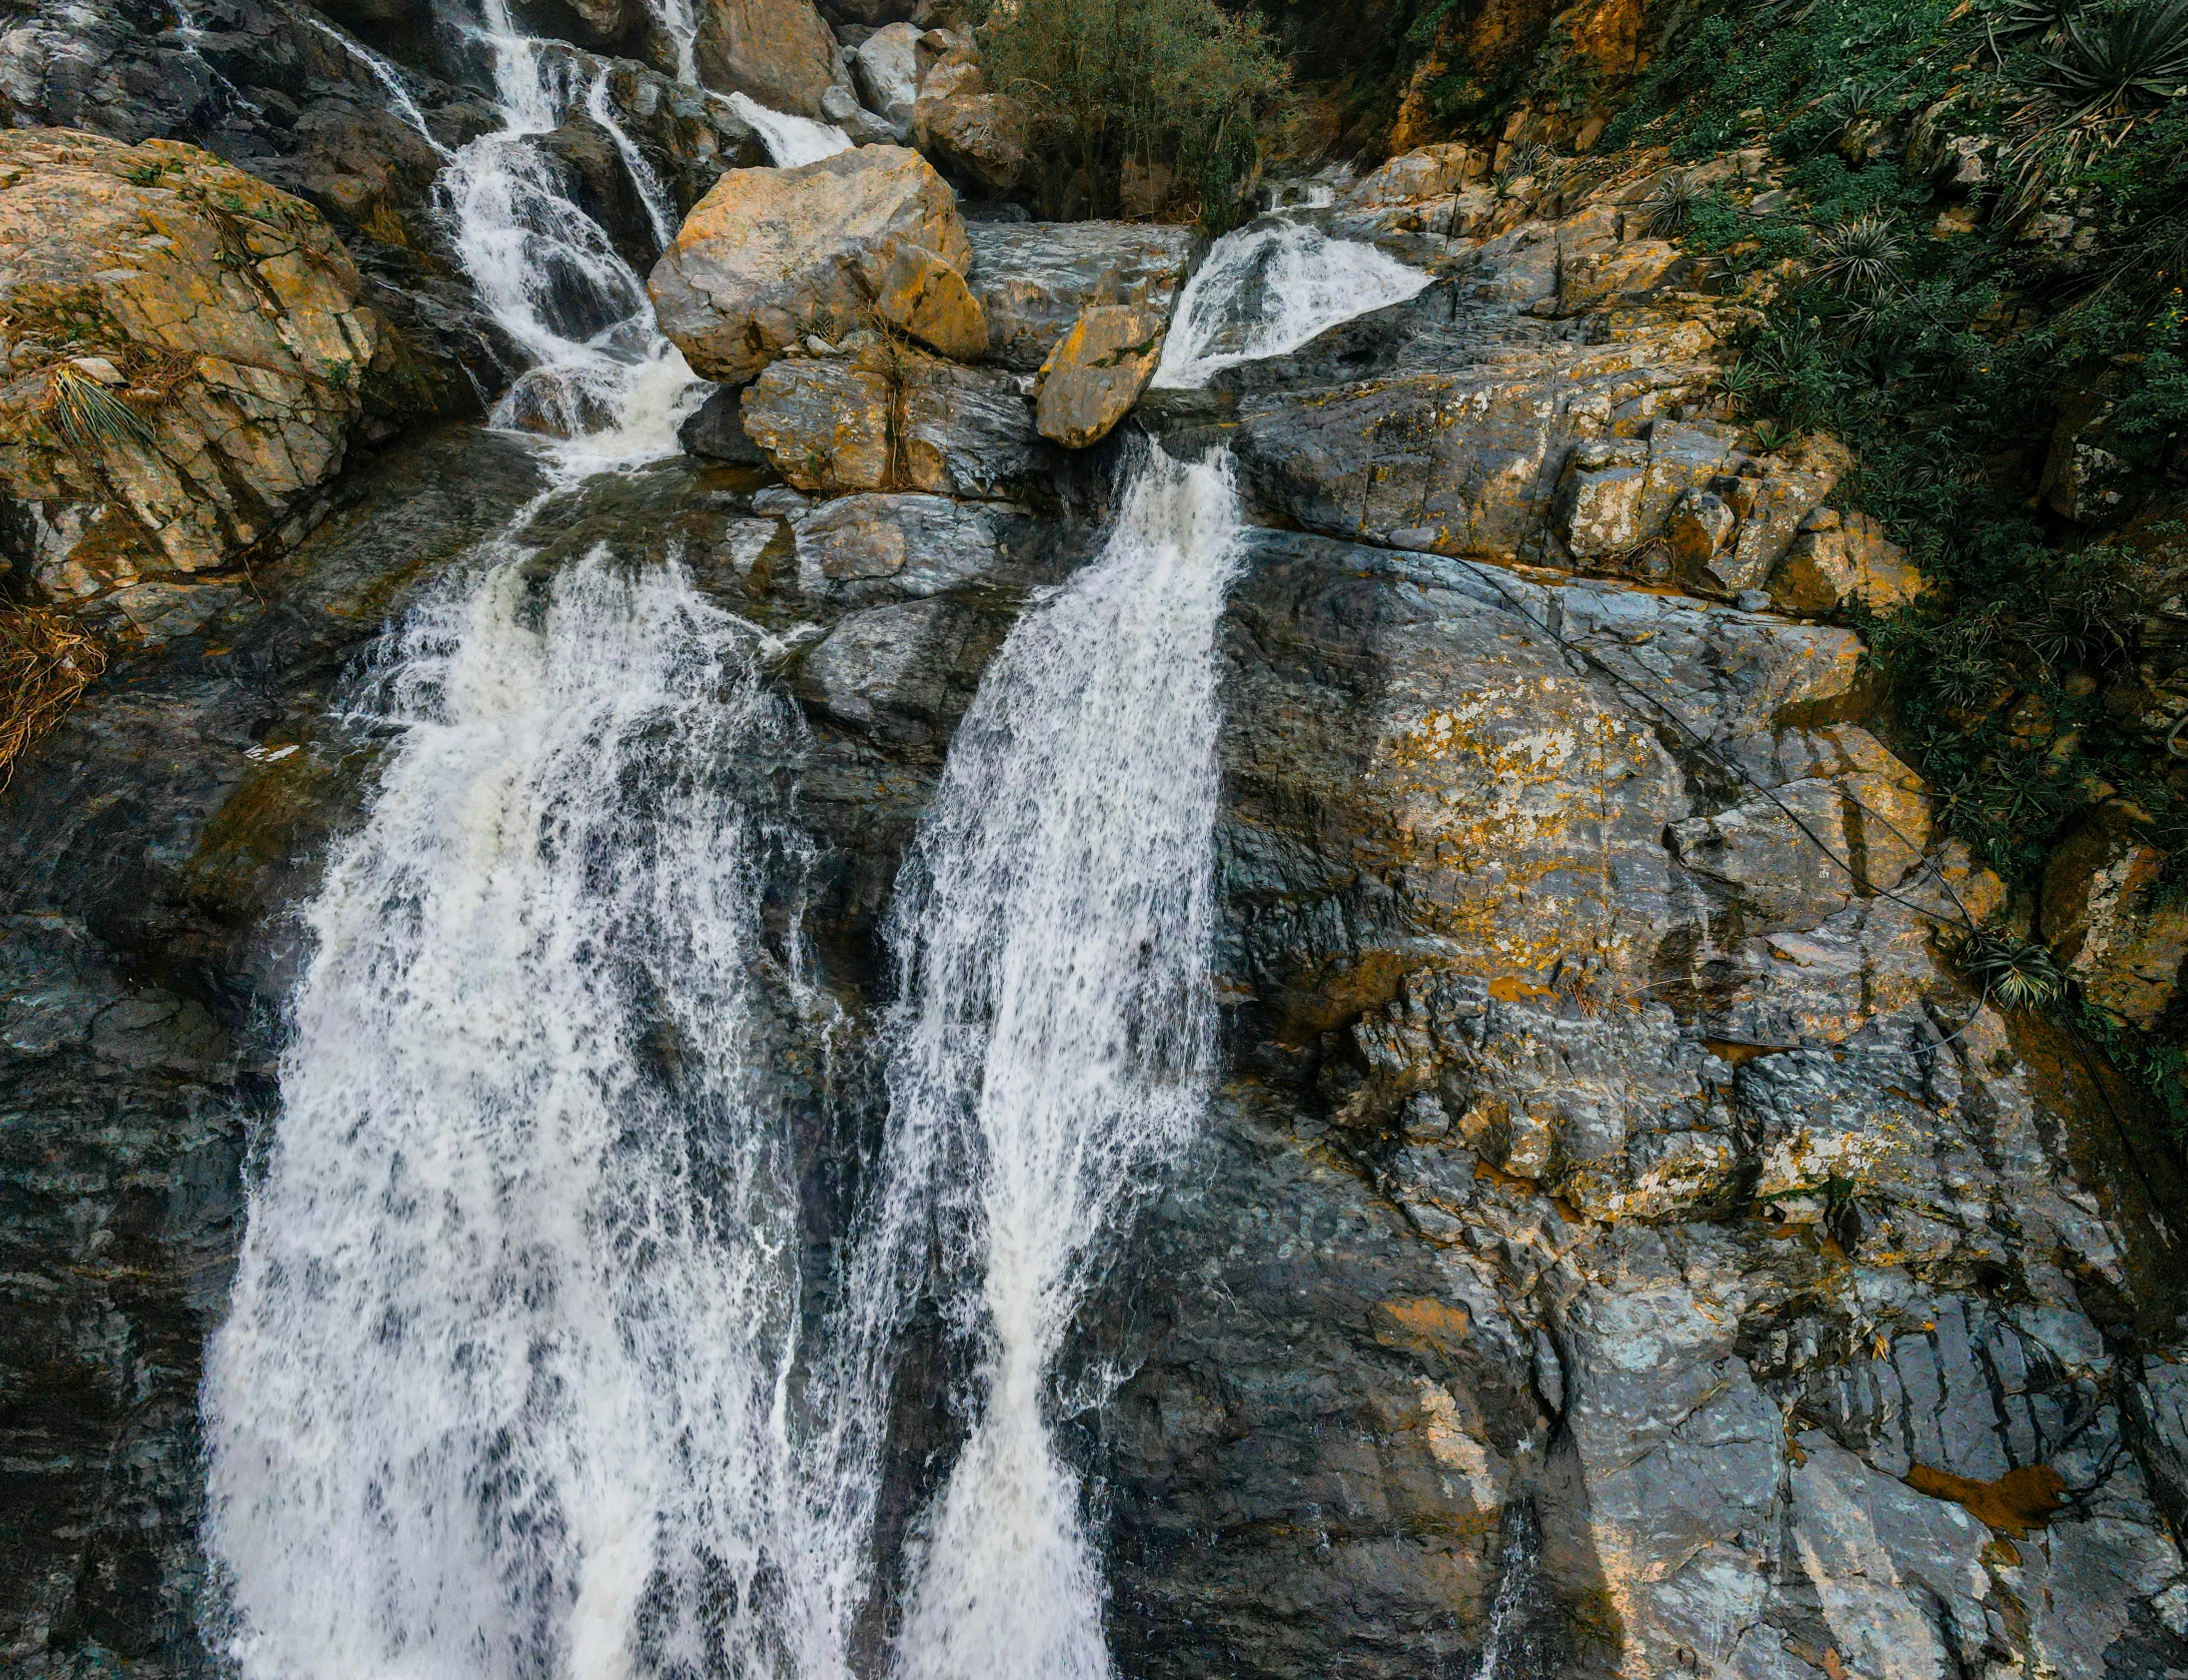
[{"x": 1621, "y": 1242}]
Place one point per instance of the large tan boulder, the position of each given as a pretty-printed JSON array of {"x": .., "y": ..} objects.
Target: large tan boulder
[
  {"x": 977, "y": 135},
  {"x": 889, "y": 418},
  {"x": 1840, "y": 559},
  {"x": 778, "y": 52},
  {"x": 184, "y": 351},
  {"x": 2107, "y": 921},
  {"x": 1097, "y": 372},
  {"x": 771, "y": 256}
]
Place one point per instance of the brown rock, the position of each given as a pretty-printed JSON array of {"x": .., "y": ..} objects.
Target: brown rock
[
  {"x": 977, "y": 134},
  {"x": 229, "y": 314},
  {"x": 930, "y": 299},
  {"x": 771, "y": 255},
  {"x": 778, "y": 52},
  {"x": 823, "y": 422},
  {"x": 2104, "y": 921},
  {"x": 890, "y": 417},
  {"x": 1793, "y": 485},
  {"x": 1097, "y": 372},
  {"x": 1839, "y": 558}
]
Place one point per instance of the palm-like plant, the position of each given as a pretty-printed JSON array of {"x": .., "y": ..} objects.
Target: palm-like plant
[
  {"x": 2018, "y": 972},
  {"x": 1860, "y": 258},
  {"x": 1671, "y": 203},
  {"x": 90, "y": 418},
  {"x": 2116, "y": 58}
]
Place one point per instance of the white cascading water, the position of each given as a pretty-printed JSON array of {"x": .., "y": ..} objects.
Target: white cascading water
[
  {"x": 1054, "y": 1041},
  {"x": 1270, "y": 287},
  {"x": 1053, "y": 1045},
  {"x": 502, "y": 1388},
  {"x": 507, "y": 1391},
  {"x": 789, "y": 140}
]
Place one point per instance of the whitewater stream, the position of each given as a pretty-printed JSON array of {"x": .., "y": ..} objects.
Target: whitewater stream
[{"x": 516, "y": 1382}]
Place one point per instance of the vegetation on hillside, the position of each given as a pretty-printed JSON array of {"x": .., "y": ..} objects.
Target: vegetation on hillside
[
  {"x": 1978, "y": 282},
  {"x": 1139, "y": 104}
]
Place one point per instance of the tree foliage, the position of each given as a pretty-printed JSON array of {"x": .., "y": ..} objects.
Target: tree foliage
[{"x": 1158, "y": 88}]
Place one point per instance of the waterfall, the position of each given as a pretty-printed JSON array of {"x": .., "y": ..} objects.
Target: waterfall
[
  {"x": 789, "y": 140},
  {"x": 1054, "y": 1040},
  {"x": 502, "y": 1389},
  {"x": 1268, "y": 287}
]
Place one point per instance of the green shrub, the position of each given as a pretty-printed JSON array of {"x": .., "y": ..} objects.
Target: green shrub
[{"x": 1162, "y": 85}]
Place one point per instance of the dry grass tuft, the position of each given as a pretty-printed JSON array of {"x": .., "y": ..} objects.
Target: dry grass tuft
[{"x": 47, "y": 659}]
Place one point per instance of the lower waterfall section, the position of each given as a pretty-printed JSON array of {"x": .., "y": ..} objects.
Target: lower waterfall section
[
  {"x": 1053, "y": 1043},
  {"x": 503, "y": 1389}
]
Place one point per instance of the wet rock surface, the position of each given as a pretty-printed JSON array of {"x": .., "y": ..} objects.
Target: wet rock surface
[
  {"x": 1613, "y": 1201},
  {"x": 1033, "y": 278}
]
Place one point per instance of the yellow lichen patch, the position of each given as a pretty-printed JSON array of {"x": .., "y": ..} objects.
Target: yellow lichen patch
[
  {"x": 1420, "y": 1323},
  {"x": 2014, "y": 1504}
]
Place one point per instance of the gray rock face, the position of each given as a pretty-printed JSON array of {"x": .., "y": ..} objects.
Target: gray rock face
[
  {"x": 1033, "y": 278},
  {"x": 886, "y": 65},
  {"x": 1611, "y": 1204},
  {"x": 716, "y": 430},
  {"x": 1488, "y": 1239}
]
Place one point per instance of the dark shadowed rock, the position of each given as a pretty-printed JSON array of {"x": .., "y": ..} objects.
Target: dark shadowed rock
[
  {"x": 716, "y": 430},
  {"x": 1033, "y": 278}
]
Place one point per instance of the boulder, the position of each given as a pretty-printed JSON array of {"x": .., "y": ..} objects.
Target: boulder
[
  {"x": 975, "y": 134},
  {"x": 1033, "y": 278},
  {"x": 716, "y": 430},
  {"x": 928, "y": 299},
  {"x": 2104, "y": 920},
  {"x": 967, "y": 432},
  {"x": 1097, "y": 372},
  {"x": 1840, "y": 559},
  {"x": 889, "y": 418},
  {"x": 824, "y": 422},
  {"x": 778, "y": 52},
  {"x": 921, "y": 544},
  {"x": 187, "y": 350},
  {"x": 770, "y": 256},
  {"x": 886, "y": 65}
]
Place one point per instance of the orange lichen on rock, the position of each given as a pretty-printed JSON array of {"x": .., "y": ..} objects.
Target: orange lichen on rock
[{"x": 2014, "y": 1504}]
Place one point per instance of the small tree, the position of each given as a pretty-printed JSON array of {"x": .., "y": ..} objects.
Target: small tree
[{"x": 1161, "y": 85}]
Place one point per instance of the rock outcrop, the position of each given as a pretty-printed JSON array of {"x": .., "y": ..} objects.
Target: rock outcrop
[
  {"x": 1615, "y": 1207},
  {"x": 883, "y": 417},
  {"x": 779, "y": 51},
  {"x": 772, "y": 256},
  {"x": 1033, "y": 278},
  {"x": 2108, "y": 919},
  {"x": 186, "y": 352},
  {"x": 1097, "y": 372}
]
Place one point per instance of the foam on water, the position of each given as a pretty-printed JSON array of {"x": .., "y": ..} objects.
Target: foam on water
[
  {"x": 500, "y": 1392},
  {"x": 789, "y": 140},
  {"x": 1268, "y": 287}
]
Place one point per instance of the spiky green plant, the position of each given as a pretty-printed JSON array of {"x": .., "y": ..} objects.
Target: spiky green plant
[
  {"x": 2025, "y": 20},
  {"x": 1860, "y": 258},
  {"x": 2017, "y": 973},
  {"x": 2117, "y": 58},
  {"x": 90, "y": 418},
  {"x": 1848, "y": 103},
  {"x": 1772, "y": 434},
  {"x": 1526, "y": 159},
  {"x": 1671, "y": 203}
]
